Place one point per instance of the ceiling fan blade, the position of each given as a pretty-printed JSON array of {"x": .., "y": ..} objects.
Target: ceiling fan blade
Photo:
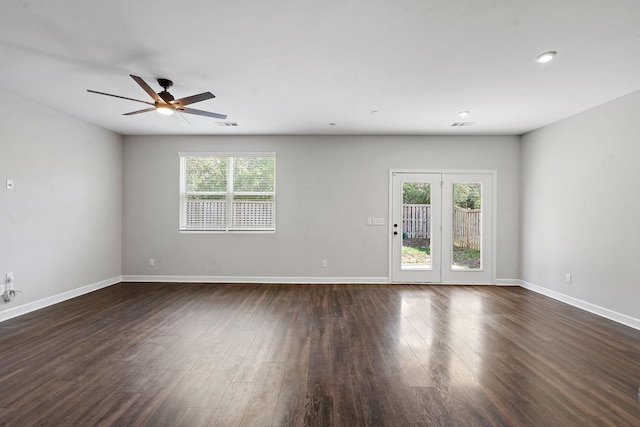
[
  {"x": 139, "y": 111},
  {"x": 181, "y": 118},
  {"x": 193, "y": 98},
  {"x": 118, "y": 96},
  {"x": 148, "y": 89},
  {"x": 202, "y": 113}
]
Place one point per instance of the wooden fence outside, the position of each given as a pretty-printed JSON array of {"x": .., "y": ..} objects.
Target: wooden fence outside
[
  {"x": 416, "y": 221},
  {"x": 245, "y": 215},
  {"x": 466, "y": 228},
  {"x": 416, "y": 224}
]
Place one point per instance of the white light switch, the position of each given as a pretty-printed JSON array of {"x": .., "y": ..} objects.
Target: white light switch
[{"x": 378, "y": 221}]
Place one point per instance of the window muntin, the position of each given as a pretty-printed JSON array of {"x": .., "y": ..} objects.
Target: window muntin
[{"x": 226, "y": 192}]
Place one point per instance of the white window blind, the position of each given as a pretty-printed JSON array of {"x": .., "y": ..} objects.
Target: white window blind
[{"x": 227, "y": 192}]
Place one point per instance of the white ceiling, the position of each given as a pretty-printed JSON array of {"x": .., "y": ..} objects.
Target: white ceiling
[{"x": 294, "y": 66}]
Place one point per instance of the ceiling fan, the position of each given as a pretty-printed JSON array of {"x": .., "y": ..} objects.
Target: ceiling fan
[{"x": 164, "y": 102}]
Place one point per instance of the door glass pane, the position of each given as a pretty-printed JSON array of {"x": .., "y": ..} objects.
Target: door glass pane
[
  {"x": 466, "y": 230},
  {"x": 416, "y": 226}
]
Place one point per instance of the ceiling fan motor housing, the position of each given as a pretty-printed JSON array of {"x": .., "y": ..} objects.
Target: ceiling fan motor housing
[
  {"x": 166, "y": 96},
  {"x": 165, "y": 84}
]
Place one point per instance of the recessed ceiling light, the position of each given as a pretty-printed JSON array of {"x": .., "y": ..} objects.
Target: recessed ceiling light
[
  {"x": 546, "y": 57},
  {"x": 464, "y": 113}
]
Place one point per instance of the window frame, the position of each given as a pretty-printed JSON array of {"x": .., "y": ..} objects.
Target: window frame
[{"x": 228, "y": 195}]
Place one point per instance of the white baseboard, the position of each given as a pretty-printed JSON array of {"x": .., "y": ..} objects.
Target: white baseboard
[
  {"x": 54, "y": 299},
  {"x": 632, "y": 322},
  {"x": 300, "y": 280},
  {"x": 508, "y": 282},
  {"x": 255, "y": 279}
]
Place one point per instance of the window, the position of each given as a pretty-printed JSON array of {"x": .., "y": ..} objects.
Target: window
[{"x": 227, "y": 192}]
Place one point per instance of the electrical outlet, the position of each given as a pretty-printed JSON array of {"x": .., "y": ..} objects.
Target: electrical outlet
[
  {"x": 323, "y": 264},
  {"x": 8, "y": 293},
  {"x": 152, "y": 262},
  {"x": 567, "y": 278}
]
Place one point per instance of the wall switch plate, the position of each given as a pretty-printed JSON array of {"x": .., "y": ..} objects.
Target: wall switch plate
[{"x": 378, "y": 221}]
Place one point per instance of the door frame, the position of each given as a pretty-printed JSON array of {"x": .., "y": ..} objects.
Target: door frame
[
  {"x": 494, "y": 184},
  {"x": 432, "y": 274}
]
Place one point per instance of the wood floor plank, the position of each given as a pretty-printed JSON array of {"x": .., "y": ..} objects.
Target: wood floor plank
[
  {"x": 156, "y": 354},
  {"x": 213, "y": 390},
  {"x": 195, "y": 417},
  {"x": 318, "y": 411},
  {"x": 232, "y": 407},
  {"x": 264, "y": 397},
  {"x": 290, "y": 407},
  {"x": 146, "y": 410},
  {"x": 347, "y": 410}
]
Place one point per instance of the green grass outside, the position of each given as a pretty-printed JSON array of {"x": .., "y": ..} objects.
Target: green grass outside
[
  {"x": 467, "y": 258},
  {"x": 416, "y": 255}
]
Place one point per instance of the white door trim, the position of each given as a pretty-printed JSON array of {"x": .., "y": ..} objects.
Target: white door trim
[
  {"x": 494, "y": 216},
  {"x": 421, "y": 274}
]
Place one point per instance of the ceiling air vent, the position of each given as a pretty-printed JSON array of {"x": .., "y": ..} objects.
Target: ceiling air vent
[
  {"x": 462, "y": 124},
  {"x": 227, "y": 123}
]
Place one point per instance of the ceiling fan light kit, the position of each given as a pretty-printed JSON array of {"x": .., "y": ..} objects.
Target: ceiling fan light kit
[
  {"x": 164, "y": 102},
  {"x": 164, "y": 110}
]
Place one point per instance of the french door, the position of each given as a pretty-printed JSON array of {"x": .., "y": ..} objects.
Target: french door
[{"x": 441, "y": 227}]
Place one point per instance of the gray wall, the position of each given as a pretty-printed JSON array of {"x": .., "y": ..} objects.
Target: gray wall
[
  {"x": 326, "y": 189},
  {"x": 61, "y": 227},
  {"x": 581, "y": 206}
]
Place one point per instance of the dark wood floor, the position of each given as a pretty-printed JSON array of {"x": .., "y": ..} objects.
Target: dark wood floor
[{"x": 317, "y": 355}]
